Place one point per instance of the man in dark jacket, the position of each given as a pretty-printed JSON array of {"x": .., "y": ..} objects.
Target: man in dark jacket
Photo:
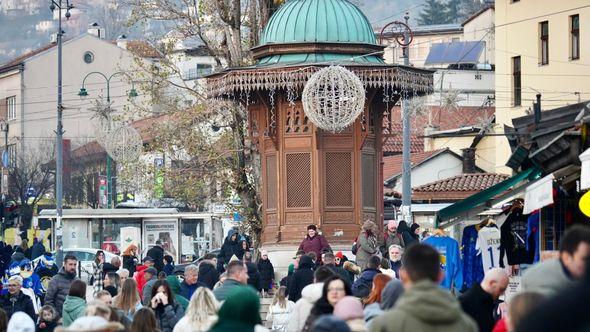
[
  {"x": 157, "y": 253},
  {"x": 479, "y": 300},
  {"x": 302, "y": 277},
  {"x": 407, "y": 234},
  {"x": 253, "y": 273},
  {"x": 363, "y": 285},
  {"x": 231, "y": 246},
  {"x": 112, "y": 266},
  {"x": 189, "y": 285},
  {"x": 314, "y": 242},
  {"x": 237, "y": 276},
  {"x": 38, "y": 249},
  {"x": 267, "y": 271},
  {"x": 16, "y": 300},
  {"x": 208, "y": 275},
  {"x": 59, "y": 285},
  {"x": 329, "y": 262}
]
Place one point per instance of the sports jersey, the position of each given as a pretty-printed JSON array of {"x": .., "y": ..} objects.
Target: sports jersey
[
  {"x": 472, "y": 267},
  {"x": 450, "y": 260},
  {"x": 488, "y": 246}
]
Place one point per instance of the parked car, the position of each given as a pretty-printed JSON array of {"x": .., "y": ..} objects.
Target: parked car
[
  {"x": 85, "y": 258},
  {"x": 179, "y": 268}
]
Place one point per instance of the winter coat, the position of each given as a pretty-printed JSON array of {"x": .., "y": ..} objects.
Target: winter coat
[
  {"x": 174, "y": 284},
  {"x": 223, "y": 291},
  {"x": 253, "y": 276},
  {"x": 279, "y": 317},
  {"x": 390, "y": 239},
  {"x": 184, "y": 325},
  {"x": 302, "y": 277},
  {"x": 169, "y": 269},
  {"x": 45, "y": 326},
  {"x": 479, "y": 305},
  {"x": 37, "y": 250},
  {"x": 187, "y": 290},
  {"x": 129, "y": 263},
  {"x": 340, "y": 272},
  {"x": 97, "y": 278},
  {"x": 425, "y": 307},
  {"x": 547, "y": 277},
  {"x": 167, "y": 316},
  {"x": 157, "y": 253},
  {"x": 309, "y": 296},
  {"x": 58, "y": 289},
  {"x": 139, "y": 279},
  {"x": 147, "y": 291},
  {"x": 363, "y": 285},
  {"x": 267, "y": 273},
  {"x": 367, "y": 246},
  {"x": 315, "y": 244},
  {"x": 208, "y": 275},
  {"x": 19, "y": 302},
  {"x": 406, "y": 232},
  {"x": 230, "y": 248},
  {"x": 395, "y": 266},
  {"x": 74, "y": 307},
  {"x": 108, "y": 267}
]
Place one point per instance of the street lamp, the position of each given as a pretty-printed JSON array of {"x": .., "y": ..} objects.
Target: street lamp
[{"x": 132, "y": 94}]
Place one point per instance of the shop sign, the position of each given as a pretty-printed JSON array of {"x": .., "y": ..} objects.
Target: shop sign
[
  {"x": 539, "y": 194},
  {"x": 130, "y": 235},
  {"x": 513, "y": 288}
]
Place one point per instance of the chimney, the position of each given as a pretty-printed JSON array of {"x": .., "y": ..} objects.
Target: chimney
[
  {"x": 53, "y": 38},
  {"x": 468, "y": 160},
  {"x": 122, "y": 42},
  {"x": 95, "y": 30}
]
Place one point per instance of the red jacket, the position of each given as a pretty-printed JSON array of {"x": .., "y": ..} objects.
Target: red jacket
[
  {"x": 315, "y": 244},
  {"x": 139, "y": 278}
]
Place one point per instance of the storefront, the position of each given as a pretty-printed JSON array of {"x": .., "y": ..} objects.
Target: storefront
[{"x": 183, "y": 235}]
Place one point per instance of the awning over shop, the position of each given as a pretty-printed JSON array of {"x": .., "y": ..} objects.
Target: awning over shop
[
  {"x": 454, "y": 213},
  {"x": 539, "y": 194}
]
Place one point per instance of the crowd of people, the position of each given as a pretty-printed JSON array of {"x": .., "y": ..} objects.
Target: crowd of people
[{"x": 392, "y": 285}]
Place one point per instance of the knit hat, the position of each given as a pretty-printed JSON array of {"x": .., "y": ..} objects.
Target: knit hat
[
  {"x": 349, "y": 307},
  {"x": 239, "y": 312},
  {"x": 339, "y": 255},
  {"x": 20, "y": 322},
  {"x": 152, "y": 271},
  {"x": 330, "y": 323},
  {"x": 148, "y": 258},
  {"x": 312, "y": 227}
]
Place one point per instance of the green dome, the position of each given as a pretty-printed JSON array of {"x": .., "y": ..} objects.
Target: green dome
[{"x": 318, "y": 21}]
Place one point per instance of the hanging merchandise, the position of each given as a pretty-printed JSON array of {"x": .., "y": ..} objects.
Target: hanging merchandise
[
  {"x": 333, "y": 98},
  {"x": 585, "y": 171},
  {"x": 450, "y": 260},
  {"x": 532, "y": 235},
  {"x": 472, "y": 265},
  {"x": 488, "y": 246},
  {"x": 513, "y": 238}
]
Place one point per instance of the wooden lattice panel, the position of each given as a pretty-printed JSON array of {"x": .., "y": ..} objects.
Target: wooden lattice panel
[
  {"x": 271, "y": 182},
  {"x": 296, "y": 122},
  {"x": 338, "y": 179},
  {"x": 298, "y": 179},
  {"x": 368, "y": 165}
]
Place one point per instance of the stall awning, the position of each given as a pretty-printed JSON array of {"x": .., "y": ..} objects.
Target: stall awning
[{"x": 453, "y": 214}]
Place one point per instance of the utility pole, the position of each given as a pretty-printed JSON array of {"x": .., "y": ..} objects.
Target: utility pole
[
  {"x": 59, "y": 131},
  {"x": 406, "y": 166}
]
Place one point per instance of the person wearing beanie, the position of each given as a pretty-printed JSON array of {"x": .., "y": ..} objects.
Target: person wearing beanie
[
  {"x": 150, "y": 276},
  {"x": 350, "y": 309},
  {"x": 314, "y": 242},
  {"x": 239, "y": 312},
  {"x": 21, "y": 322},
  {"x": 330, "y": 323}
]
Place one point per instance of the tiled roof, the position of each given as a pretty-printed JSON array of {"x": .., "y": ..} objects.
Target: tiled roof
[
  {"x": 25, "y": 56},
  {"x": 392, "y": 165},
  {"x": 141, "y": 48},
  {"x": 464, "y": 116},
  {"x": 457, "y": 187}
]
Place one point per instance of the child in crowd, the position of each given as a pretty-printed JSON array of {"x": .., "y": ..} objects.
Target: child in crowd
[
  {"x": 47, "y": 319},
  {"x": 168, "y": 265}
]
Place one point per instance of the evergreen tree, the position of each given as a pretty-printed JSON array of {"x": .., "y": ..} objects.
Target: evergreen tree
[
  {"x": 433, "y": 12},
  {"x": 470, "y": 7},
  {"x": 453, "y": 11}
]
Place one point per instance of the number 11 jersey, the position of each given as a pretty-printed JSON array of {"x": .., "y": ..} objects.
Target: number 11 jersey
[{"x": 488, "y": 246}]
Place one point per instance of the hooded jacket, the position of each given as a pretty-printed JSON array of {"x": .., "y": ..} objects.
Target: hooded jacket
[
  {"x": 363, "y": 285},
  {"x": 425, "y": 307},
  {"x": 73, "y": 308},
  {"x": 208, "y": 275},
  {"x": 20, "y": 302},
  {"x": 230, "y": 247},
  {"x": 309, "y": 295},
  {"x": 174, "y": 284},
  {"x": 267, "y": 273},
  {"x": 302, "y": 277},
  {"x": 407, "y": 234},
  {"x": 58, "y": 289},
  {"x": 239, "y": 312},
  {"x": 139, "y": 279}
]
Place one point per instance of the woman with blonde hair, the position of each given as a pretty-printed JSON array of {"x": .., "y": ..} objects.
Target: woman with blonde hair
[
  {"x": 280, "y": 311},
  {"x": 128, "y": 300},
  {"x": 201, "y": 313}
]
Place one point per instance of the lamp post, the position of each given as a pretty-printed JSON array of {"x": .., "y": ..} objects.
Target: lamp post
[
  {"x": 84, "y": 93},
  {"x": 406, "y": 151},
  {"x": 59, "y": 4}
]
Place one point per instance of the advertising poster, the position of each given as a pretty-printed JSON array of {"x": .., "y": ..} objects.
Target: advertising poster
[
  {"x": 166, "y": 232},
  {"x": 130, "y": 235}
]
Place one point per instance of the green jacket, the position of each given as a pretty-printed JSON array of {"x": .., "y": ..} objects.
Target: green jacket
[
  {"x": 74, "y": 307},
  {"x": 222, "y": 292},
  {"x": 174, "y": 284},
  {"x": 425, "y": 307},
  {"x": 240, "y": 311}
]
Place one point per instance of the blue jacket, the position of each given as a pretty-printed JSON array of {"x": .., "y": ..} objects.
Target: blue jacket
[
  {"x": 450, "y": 260},
  {"x": 187, "y": 290},
  {"x": 363, "y": 285},
  {"x": 472, "y": 263}
]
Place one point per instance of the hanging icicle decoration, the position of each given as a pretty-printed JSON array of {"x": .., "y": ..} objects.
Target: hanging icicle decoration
[{"x": 333, "y": 98}]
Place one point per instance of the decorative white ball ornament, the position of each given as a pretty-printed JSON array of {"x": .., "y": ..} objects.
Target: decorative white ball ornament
[
  {"x": 333, "y": 98},
  {"x": 124, "y": 143}
]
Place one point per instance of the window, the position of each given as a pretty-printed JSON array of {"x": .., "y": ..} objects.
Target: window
[
  {"x": 11, "y": 107},
  {"x": 544, "y": 42},
  {"x": 516, "y": 83},
  {"x": 198, "y": 72},
  {"x": 88, "y": 57},
  {"x": 575, "y": 37}
]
